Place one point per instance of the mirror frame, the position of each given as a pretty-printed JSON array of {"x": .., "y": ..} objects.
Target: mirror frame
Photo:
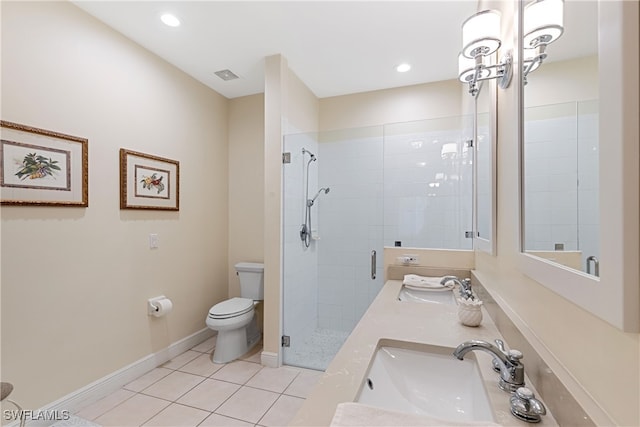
[{"x": 615, "y": 296}]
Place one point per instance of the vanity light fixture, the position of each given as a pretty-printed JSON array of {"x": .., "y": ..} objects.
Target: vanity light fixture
[
  {"x": 543, "y": 24},
  {"x": 481, "y": 39}
]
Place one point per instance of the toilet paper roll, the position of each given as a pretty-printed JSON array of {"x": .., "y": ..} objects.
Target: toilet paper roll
[{"x": 163, "y": 306}]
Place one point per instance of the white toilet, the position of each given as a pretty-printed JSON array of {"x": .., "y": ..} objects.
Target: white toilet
[{"x": 234, "y": 318}]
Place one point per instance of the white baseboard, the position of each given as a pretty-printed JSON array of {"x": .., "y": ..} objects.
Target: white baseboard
[
  {"x": 116, "y": 380},
  {"x": 271, "y": 360}
]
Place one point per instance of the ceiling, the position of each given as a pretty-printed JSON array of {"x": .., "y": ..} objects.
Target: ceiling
[{"x": 335, "y": 47}]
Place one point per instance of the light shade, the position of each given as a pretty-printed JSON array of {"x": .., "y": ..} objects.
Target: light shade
[
  {"x": 543, "y": 22},
  {"x": 481, "y": 34}
]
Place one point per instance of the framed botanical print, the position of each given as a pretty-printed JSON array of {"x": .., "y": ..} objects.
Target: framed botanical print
[
  {"x": 148, "y": 182},
  {"x": 40, "y": 167}
]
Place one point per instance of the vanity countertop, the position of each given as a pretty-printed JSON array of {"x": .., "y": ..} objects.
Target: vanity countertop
[{"x": 389, "y": 319}]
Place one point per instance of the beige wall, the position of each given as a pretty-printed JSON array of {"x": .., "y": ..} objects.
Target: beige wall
[
  {"x": 597, "y": 361},
  {"x": 418, "y": 102},
  {"x": 246, "y": 184},
  {"x": 75, "y": 281},
  {"x": 563, "y": 81}
]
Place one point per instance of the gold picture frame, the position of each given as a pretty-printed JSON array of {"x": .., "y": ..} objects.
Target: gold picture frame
[
  {"x": 40, "y": 167},
  {"x": 148, "y": 182}
]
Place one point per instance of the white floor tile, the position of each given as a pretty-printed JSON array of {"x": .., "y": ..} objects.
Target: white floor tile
[
  {"x": 209, "y": 394},
  {"x": 217, "y": 420},
  {"x": 147, "y": 379},
  {"x": 206, "y": 346},
  {"x": 105, "y": 404},
  {"x": 173, "y": 385},
  {"x": 303, "y": 383},
  {"x": 238, "y": 372},
  {"x": 178, "y": 416},
  {"x": 282, "y": 411},
  {"x": 253, "y": 355},
  {"x": 133, "y": 412},
  {"x": 273, "y": 379},
  {"x": 201, "y": 365},
  {"x": 181, "y": 360},
  {"x": 248, "y": 404}
]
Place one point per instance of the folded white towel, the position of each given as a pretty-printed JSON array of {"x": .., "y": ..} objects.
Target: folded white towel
[
  {"x": 413, "y": 281},
  {"x": 350, "y": 414}
]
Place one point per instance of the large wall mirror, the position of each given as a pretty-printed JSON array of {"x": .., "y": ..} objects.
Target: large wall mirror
[
  {"x": 571, "y": 97},
  {"x": 560, "y": 144}
]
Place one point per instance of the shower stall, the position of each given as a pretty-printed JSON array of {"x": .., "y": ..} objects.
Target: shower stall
[{"x": 349, "y": 193}]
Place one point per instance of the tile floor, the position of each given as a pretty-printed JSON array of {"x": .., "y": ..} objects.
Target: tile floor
[{"x": 191, "y": 390}]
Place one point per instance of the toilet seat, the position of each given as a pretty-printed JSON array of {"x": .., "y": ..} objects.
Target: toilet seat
[{"x": 233, "y": 307}]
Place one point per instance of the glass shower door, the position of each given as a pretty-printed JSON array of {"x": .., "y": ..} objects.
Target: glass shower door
[{"x": 329, "y": 284}]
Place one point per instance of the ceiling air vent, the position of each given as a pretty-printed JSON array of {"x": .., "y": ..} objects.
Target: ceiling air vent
[{"x": 226, "y": 75}]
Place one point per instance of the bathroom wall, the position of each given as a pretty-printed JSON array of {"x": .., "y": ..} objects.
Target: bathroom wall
[
  {"x": 404, "y": 104},
  {"x": 75, "y": 280},
  {"x": 597, "y": 362},
  {"x": 246, "y": 187}
]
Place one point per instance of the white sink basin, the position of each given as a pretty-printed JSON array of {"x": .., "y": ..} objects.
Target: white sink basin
[
  {"x": 430, "y": 382},
  {"x": 432, "y": 296}
]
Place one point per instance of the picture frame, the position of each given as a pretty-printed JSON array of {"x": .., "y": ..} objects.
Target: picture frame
[
  {"x": 39, "y": 167},
  {"x": 148, "y": 182}
]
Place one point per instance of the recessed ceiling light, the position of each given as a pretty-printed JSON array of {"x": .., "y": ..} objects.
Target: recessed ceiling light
[
  {"x": 170, "y": 20},
  {"x": 403, "y": 68}
]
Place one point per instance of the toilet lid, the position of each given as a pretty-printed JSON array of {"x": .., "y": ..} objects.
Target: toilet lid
[{"x": 231, "y": 307}]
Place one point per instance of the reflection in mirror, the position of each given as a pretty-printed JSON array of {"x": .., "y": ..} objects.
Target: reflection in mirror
[
  {"x": 561, "y": 147},
  {"x": 428, "y": 183},
  {"x": 485, "y": 173}
]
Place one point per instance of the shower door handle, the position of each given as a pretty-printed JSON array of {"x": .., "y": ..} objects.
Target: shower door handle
[{"x": 373, "y": 265}]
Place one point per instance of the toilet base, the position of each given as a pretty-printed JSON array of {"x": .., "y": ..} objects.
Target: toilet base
[{"x": 232, "y": 344}]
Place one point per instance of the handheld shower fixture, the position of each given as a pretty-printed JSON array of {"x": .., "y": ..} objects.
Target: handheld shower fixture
[
  {"x": 310, "y": 202},
  {"x": 305, "y": 230}
]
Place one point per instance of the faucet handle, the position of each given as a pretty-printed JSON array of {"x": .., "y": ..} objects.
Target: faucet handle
[
  {"x": 514, "y": 356},
  {"x": 495, "y": 362},
  {"x": 525, "y": 406}
]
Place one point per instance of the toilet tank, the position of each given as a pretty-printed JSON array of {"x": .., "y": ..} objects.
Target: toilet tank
[{"x": 251, "y": 276}]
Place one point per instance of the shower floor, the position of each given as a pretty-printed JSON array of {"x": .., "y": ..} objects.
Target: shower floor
[{"x": 317, "y": 350}]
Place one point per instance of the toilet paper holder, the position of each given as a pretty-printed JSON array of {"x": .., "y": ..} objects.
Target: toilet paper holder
[{"x": 152, "y": 306}]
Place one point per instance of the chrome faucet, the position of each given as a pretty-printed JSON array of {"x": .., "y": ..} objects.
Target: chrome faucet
[
  {"x": 511, "y": 370},
  {"x": 465, "y": 286}
]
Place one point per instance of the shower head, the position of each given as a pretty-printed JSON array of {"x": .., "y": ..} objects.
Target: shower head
[
  {"x": 310, "y": 202},
  {"x": 313, "y": 156}
]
